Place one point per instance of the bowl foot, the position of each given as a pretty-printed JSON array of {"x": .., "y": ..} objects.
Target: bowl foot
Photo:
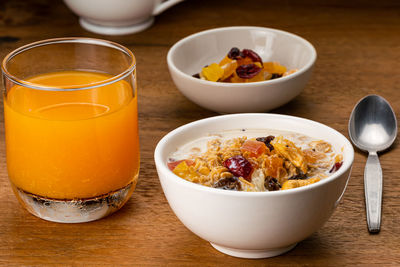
[
  {"x": 252, "y": 253},
  {"x": 116, "y": 30}
]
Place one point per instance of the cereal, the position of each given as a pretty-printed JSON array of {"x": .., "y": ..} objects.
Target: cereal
[{"x": 259, "y": 164}]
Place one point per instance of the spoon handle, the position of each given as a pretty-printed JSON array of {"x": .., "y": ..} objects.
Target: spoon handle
[{"x": 373, "y": 192}]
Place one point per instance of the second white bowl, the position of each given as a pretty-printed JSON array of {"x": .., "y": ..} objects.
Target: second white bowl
[{"x": 191, "y": 54}]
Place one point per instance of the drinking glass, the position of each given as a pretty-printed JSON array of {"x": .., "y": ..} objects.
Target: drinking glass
[{"x": 71, "y": 127}]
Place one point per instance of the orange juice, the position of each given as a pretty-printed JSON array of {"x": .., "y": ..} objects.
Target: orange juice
[{"x": 73, "y": 143}]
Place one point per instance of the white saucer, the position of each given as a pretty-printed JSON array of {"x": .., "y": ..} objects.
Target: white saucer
[{"x": 116, "y": 30}]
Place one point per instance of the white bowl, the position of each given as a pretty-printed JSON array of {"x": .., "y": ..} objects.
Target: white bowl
[
  {"x": 252, "y": 224},
  {"x": 191, "y": 54}
]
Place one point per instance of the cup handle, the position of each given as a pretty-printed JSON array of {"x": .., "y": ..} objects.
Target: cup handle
[{"x": 165, "y": 5}]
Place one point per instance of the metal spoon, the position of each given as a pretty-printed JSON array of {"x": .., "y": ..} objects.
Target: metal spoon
[{"x": 373, "y": 128}]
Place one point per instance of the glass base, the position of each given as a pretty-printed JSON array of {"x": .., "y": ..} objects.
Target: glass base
[{"x": 75, "y": 210}]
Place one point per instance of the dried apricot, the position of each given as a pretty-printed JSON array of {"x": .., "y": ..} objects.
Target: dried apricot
[
  {"x": 267, "y": 141},
  {"x": 274, "y": 67},
  {"x": 225, "y": 60},
  {"x": 236, "y": 79},
  {"x": 229, "y": 69},
  {"x": 255, "y": 148},
  {"x": 184, "y": 171},
  {"x": 273, "y": 166},
  {"x": 172, "y": 165},
  {"x": 212, "y": 72}
]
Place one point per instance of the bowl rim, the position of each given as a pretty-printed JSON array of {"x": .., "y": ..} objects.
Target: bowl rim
[
  {"x": 300, "y": 71},
  {"x": 164, "y": 170}
]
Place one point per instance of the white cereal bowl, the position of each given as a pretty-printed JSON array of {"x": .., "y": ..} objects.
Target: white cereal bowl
[
  {"x": 252, "y": 224},
  {"x": 189, "y": 55}
]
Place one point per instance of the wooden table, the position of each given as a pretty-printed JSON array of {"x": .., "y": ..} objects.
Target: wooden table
[{"x": 358, "y": 54}]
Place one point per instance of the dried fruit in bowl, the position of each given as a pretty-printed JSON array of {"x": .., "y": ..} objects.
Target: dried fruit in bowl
[{"x": 242, "y": 66}]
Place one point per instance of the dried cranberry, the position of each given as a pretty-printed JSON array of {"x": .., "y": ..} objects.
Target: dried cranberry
[
  {"x": 197, "y": 75},
  {"x": 267, "y": 141},
  {"x": 272, "y": 184},
  {"x": 252, "y": 55},
  {"x": 239, "y": 166},
  {"x": 231, "y": 183},
  {"x": 336, "y": 166},
  {"x": 234, "y": 53},
  {"x": 248, "y": 71}
]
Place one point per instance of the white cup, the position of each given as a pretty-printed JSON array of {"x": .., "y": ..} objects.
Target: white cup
[{"x": 118, "y": 17}]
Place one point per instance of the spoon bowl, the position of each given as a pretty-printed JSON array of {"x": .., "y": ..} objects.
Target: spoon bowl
[
  {"x": 373, "y": 125},
  {"x": 373, "y": 128}
]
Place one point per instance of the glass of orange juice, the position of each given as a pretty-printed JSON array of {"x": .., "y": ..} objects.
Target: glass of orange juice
[{"x": 71, "y": 127}]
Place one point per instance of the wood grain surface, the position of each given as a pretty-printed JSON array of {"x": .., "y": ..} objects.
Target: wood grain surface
[{"x": 358, "y": 45}]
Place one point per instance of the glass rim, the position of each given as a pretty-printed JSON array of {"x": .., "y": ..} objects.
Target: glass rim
[{"x": 83, "y": 40}]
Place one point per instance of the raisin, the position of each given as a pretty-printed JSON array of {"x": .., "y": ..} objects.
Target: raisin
[
  {"x": 267, "y": 141},
  {"x": 197, "y": 75},
  {"x": 248, "y": 71},
  {"x": 275, "y": 76},
  {"x": 252, "y": 55},
  {"x": 231, "y": 183},
  {"x": 272, "y": 184},
  {"x": 239, "y": 166},
  {"x": 234, "y": 53},
  {"x": 299, "y": 176},
  {"x": 336, "y": 166}
]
